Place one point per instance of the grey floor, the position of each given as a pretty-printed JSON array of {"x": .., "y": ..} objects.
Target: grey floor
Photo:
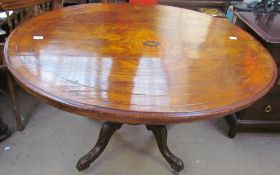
[{"x": 54, "y": 140}]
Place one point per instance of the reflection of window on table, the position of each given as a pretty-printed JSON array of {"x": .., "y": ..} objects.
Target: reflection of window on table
[{"x": 53, "y": 71}]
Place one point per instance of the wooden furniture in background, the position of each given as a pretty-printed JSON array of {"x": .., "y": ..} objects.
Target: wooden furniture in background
[
  {"x": 143, "y": 1},
  {"x": 151, "y": 65},
  {"x": 58, "y": 3},
  {"x": 264, "y": 115},
  {"x": 193, "y": 4},
  {"x": 73, "y": 2},
  {"x": 22, "y": 10}
]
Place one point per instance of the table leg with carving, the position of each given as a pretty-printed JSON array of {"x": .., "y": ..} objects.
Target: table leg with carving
[
  {"x": 160, "y": 133},
  {"x": 109, "y": 128}
]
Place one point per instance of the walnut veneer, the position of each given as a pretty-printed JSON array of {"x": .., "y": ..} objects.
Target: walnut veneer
[{"x": 139, "y": 64}]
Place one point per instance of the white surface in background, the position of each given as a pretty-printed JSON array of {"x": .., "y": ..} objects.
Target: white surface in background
[{"x": 4, "y": 15}]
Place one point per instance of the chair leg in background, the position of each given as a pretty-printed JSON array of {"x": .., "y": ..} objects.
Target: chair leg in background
[{"x": 19, "y": 121}]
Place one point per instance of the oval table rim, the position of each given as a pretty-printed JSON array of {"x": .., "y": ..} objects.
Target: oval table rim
[{"x": 125, "y": 116}]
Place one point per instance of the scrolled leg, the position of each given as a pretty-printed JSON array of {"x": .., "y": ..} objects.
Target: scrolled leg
[
  {"x": 107, "y": 130},
  {"x": 160, "y": 133}
]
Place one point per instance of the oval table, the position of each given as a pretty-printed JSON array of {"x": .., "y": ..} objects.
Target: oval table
[{"x": 151, "y": 65}]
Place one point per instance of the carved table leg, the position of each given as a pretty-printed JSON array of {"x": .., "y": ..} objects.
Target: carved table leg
[
  {"x": 107, "y": 130},
  {"x": 160, "y": 133}
]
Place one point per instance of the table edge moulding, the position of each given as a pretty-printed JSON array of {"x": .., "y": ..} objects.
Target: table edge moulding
[
  {"x": 112, "y": 114},
  {"x": 254, "y": 71}
]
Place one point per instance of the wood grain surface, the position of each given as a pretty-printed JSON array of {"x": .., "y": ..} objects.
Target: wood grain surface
[{"x": 139, "y": 64}]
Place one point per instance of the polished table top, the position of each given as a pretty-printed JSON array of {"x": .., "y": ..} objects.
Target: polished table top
[{"x": 139, "y": 64}]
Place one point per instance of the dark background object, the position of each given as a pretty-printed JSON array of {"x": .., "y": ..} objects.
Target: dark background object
[
  {"x": 193, "y": 4},
  {"x": 190, "y": 4},
  {"x": 94, "y": 1},
  {"x": 264, "y": 6},
  {"x": 4, "y": 131},
  {"x": 263, "y": 115},
  {"x": 75, "y": 2}
]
